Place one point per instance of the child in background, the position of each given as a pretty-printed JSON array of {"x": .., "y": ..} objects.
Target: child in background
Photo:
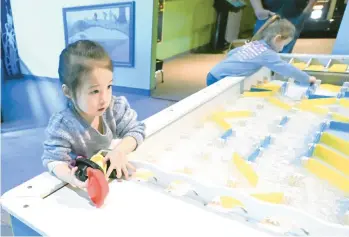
[
  {"x": 93, "y": 117},
  {"x": 248, "y": 59}
]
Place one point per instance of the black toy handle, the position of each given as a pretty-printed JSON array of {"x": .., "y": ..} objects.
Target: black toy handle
[{"x": 83, "y": 164}]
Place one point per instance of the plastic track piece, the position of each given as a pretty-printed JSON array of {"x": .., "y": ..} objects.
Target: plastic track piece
[
  {"x": 335, "y": 142},
  {"x": 245, "y": 169},
  {"x": 275, "y": 198},
  {"x": 333, "y": 158},
  {"x": 258, "y": 94},
  {"x": 324, "y": 172},
  {"x": 317, "y": 68},
  {"x": 331, "y": 88},
  {"x": 275, "y": 101},
  {"x": 229, "y": 202},
  {"x": 300, "y": 65},
  {"x": 336, "y": 67},
  {"x": 344, "y": 102}
]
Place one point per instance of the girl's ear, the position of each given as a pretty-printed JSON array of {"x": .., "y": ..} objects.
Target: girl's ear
[{"x": 66, "y": 91}]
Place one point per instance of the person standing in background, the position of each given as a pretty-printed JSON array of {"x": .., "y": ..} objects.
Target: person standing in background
[{"x": 296, "y": 11}]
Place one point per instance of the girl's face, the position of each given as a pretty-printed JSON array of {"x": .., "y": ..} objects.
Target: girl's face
[
  {"x": 94, "y": 92},
  {"x": 279, "y": 43}
]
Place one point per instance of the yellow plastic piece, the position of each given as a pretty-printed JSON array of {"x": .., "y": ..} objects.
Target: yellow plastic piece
[
  {"x": 258, "y": 94},
  {"x": 300, "y": 65},
  {"x": 329, "y": 87},
  {"x": 222, "y": 123},
  {"x": 314, "y": 109},
  {"x": 344, "y": 102},
  {"x": 275, "y": 198},
  {"x": 269, "y": 86},
  {"x": 332, "y": 176},
  {"x": 333, "y": 158},
  {"x": 340, "y": 118},
  {"x": 317, "y": 68},
  {"x": 335, "y": 142},
  {"x": 220, "y": 117},
  {"x": 98, "y": 159},
  {"x": 318, "y": 102},
  {"x": 245, "y": 169},
  {"x": 143, "y": 174},
  {"x": 338, "y": 68},
  {"x": 229, "y": 202},
  {"x": 275, "y": 101}
]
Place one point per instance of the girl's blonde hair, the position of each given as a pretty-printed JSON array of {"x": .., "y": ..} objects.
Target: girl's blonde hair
[{"x": 273, "y": 27}]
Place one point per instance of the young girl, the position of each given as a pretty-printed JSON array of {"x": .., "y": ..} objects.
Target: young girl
[
  {"x": 248, "y": 59},
  {"x": 93, "y": 117}
]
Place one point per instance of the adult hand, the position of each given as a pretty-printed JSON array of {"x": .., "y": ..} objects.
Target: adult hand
[{"x": 263, "y": 14}]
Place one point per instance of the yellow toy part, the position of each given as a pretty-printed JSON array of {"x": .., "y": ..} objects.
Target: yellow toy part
[
  {"x": 245, "y": 169},
  {"x": 258, "y": 94},
  {"x": 333, "y": 158},
  {"x": 143, "y": 175},
  {"x": 313, "y": 109},
  {"x": 331, "y": 88},
  {"x": 269, "y": 86},
  {"x": 318, "y": 102},
  {"x": 344, "y": 102},
  {"x": 275, "y": 101},
  {"x": 340, "y": 118},
  {"x": 275, "y": 198},
  {"x": 300, "y": 65},
  {"x": 322, "y": 171},
  {"x": 335, "y": 142},
  {"x": 98, "y": 159},
  {"x": 336, "y": 67},
  {"x": 229, "y": 202},
  {"x": 318, "y": 68}
]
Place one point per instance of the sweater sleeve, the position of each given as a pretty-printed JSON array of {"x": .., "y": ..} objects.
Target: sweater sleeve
[
  {"x": 126, "y": 122},
  {"x": 57, "y": 146},
  {"x": 274, "y": 62}
]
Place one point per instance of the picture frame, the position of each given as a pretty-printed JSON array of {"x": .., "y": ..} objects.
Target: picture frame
[{"x": 111, "y": 25}]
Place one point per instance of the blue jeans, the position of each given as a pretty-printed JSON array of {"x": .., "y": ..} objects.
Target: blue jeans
[
  {"x": 210, "y": 79},
  {"x": 297, "y": 21}
]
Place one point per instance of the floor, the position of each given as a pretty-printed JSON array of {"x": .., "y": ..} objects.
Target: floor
[{"x": 21, "y": 139}]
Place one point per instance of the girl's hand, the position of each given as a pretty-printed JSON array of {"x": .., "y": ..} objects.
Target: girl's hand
[
  {"x": 75, "y": 182},
  {"x": 118, "y": 161},
  {"x": 312, "y": 79}
]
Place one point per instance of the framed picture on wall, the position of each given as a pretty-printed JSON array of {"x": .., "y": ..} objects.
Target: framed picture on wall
[{"x": 111, "y": 25}]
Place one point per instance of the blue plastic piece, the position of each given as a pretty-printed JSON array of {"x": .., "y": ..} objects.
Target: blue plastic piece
[
  {"x": 323, "y": 126},
  {"x": 310, "y": 151},
  {"x": 258, "y": 89},
  {"x": 284, "y": 120},
  {"x": 315, "y": 96},
  {"x": 339, "y": 126},
  {"x": 283, "y": 88},
  {"x": 266, "y": 142},
  {"x": 254, "y": 155},
  {"x": 227, "y": 134},
  {"x": 21, "y": 229},
  {"x": 317, "y": 137},
  {"x": 346, "y": 94}
]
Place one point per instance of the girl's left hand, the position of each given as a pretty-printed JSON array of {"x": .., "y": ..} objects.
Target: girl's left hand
[{"x": 119, "y": 162}]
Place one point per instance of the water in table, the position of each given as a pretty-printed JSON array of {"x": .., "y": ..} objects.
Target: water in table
[{"x": 201, "y": 153}]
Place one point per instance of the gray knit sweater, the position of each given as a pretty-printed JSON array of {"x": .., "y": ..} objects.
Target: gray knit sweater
[{"x": 69, "y": 135}]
